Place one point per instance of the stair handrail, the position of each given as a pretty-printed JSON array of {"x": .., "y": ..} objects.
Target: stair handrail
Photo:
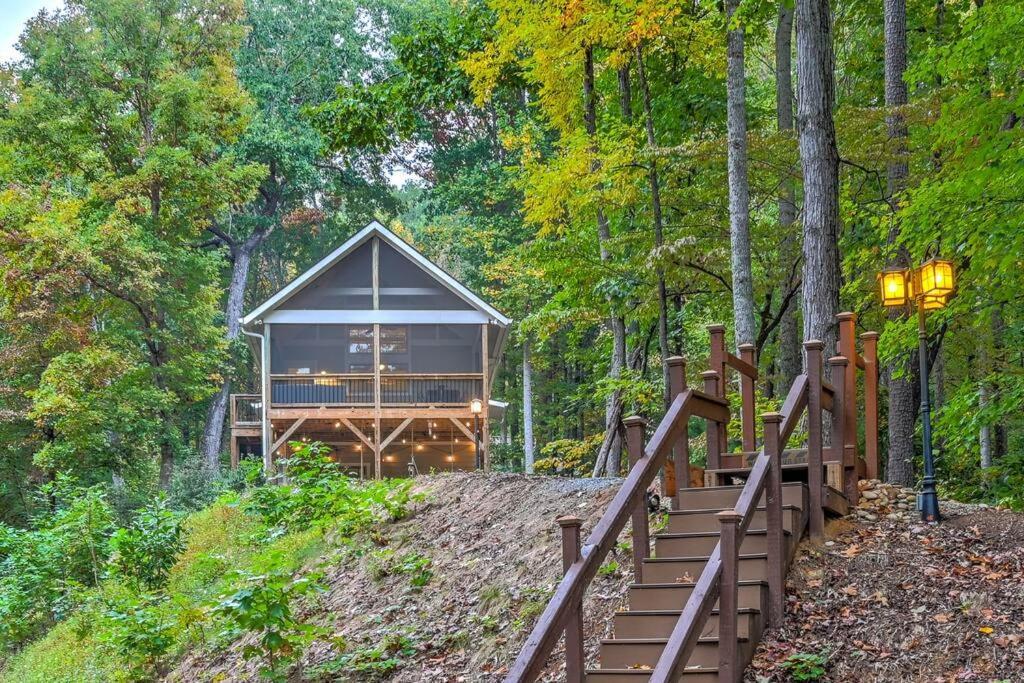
[
  {"x": 695, "y": 613},
  {"x": 579, "y": 574}
]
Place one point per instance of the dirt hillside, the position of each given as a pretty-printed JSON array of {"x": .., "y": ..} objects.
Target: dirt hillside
[{"x": 494, "y": 553}]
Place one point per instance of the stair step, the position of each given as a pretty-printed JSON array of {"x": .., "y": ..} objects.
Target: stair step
[
  {"x": 634, "y": 653},
  {"x": 673, "y": 596},
  {"x": 703, "y": 519},
  {"x": 704, "y": 542},
  {"x": 659, "y": 624},
  {"x": 752, "y": 567},
  {"x": 726, "y": 496},
  {"x": 696, "y": 675}
]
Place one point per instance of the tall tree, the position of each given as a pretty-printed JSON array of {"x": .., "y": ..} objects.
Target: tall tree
[
  {"x": 819, "y": 158},
  {"x": 901, "y": 374},
  {"x": 739, "y": 184},
  {"x": 789, "y": 325}
]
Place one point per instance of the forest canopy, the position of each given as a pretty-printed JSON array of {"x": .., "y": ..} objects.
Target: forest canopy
[{"x": 613, "y": 176}]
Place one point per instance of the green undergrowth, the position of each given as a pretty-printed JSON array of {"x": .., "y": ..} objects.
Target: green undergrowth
[{"x": 239, "y": 567}]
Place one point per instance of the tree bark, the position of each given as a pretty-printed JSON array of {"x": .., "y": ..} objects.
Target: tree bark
[
  {"x": 739, "y": 187},
  {"x": 820, "y": 163},
  {"x": 902, "y": 375},
  {"x": 789, "y": 325},
  {"x": 528, "y": 453},
  {"x": 658, "y": 220}
]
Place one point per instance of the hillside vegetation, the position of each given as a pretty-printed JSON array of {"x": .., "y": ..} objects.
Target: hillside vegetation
[{"x": 325, "y": 579}]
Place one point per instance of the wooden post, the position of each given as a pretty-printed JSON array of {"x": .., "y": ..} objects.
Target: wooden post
[
  {"x": 677, "y": 468},
  {"x": 848, "y": 349},
  {"x": 234, "y": 450},
  {"x": 870, "y": 340},
  {"x": 747, "y": 395},
  {"x": 574, "y": 624},
  {"x": 840, "y": 437},
  {"x": 816, "y": 511},
  {"x": 485, "y": 435},
  {"x": 641, "y": 535},
  {"x": 266, "y": 390},
  {"x": 776, "y": 532},
  {"x": 728, "y": 597},
  {"x": 719, "y": 363},
  {"x": 714, "y": 460},
  {"x": 376, "y": 400}
]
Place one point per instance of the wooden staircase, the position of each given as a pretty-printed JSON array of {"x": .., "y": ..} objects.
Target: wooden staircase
[
  {"x": 681, "y": 552},
  {"x": 715, "y": 578}
]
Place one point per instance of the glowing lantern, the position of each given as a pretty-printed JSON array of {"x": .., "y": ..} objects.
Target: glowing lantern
[
  {"x": 937, "y": 278},
  {"x": 894, "y": 286}
]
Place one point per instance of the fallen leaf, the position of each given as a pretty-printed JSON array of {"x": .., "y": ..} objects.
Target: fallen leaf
[
  {"x": 986, "y": 630},
  {"x": 942, "y": 618}
]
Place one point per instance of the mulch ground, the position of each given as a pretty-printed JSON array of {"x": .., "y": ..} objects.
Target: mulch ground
[{"x": 898, "y": 600}]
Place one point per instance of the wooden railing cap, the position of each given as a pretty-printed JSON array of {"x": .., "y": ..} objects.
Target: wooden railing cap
[
  {"x": 746, "y": 347},
  {"x": 838, "y": 360},
  {"x": 717, "y": 327},
  {"x": 846, "y": 315},
  {"x": 869, "y": 335},
  {"x": 814, "y": 345},
  {"x": 729, "y": 517},
  {"x": 569, "y": 520},
  {"x": 634, "y": 420},
  {"x": 675, "y": 360},
  {"x": 709, "y": 374},
  {"x": 771, "y": 417}
]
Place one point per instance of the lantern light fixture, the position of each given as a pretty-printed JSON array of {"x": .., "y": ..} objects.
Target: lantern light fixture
[
  {"x": 936, "y": 276},
  {"x": 894, "y": 285}
]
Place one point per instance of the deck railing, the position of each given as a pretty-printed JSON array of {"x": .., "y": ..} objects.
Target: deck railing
[
  {"x": 357, "y": 390},
  {"x": 246, "y": 409}
]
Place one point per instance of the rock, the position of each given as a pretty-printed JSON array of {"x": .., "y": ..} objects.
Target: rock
[
  {"x": 893, "y": 516},
  {"x": 871, "y": 495},
  {"x": 871, "y": 517}
]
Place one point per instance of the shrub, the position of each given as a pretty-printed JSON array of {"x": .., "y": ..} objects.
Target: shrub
[
  {"x": 569, "y": 456},
  {"x": 369, "y": 662},
  {"x": 144, "y": 552},
  {"x": 142, "y": 633},
  {"x": 263, "y": 606}
]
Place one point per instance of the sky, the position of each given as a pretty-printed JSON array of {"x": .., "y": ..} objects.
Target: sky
[{"x": 13, "y": 15}]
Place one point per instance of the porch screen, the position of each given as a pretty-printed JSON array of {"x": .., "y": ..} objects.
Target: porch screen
[
  {"x": 404, "y": 286},
  {"x": 346, "y": 286},
  {"x": 321, "y": 349},
  {"x": 442, "y": 349}
]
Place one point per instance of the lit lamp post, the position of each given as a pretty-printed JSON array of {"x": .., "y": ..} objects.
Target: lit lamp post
[
  {"x": 476, "y": 406},
  {"x": 928, "y": 287}
]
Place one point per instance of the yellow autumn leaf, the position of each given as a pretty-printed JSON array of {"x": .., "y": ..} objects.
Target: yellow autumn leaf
[{"x": 986, "y": 630}]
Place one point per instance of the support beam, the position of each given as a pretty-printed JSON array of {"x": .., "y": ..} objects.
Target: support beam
[
  {"x": 485, "y": 417},
  {"x": 376, "y": 397},
  {"x": 393, "y": 435},
  {"x": 288, "y": 432},
  {"x": 463, "y": 428},
  {"x": 355, "y": 430}
]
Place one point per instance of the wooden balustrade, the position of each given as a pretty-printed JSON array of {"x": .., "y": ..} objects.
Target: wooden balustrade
[{"x": 719, "y": 580}]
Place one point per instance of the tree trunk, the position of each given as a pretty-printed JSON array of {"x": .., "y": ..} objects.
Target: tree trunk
[
  {"x": 903, "y": 375},
  {"x": 528, "y": 454},
  {"x": 820, "y": 162},
  {"x": 659, "y": 223},
  {"x": 610, "y": 456},
  {"x": 985, "y": 434},
  {"x": 213, "y": 434},
  {"x": 739, "y": 188},
  {"x": 789, "y": 325}
]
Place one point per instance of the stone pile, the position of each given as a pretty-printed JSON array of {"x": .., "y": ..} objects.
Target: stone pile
[{"x": 878, "y": 499}]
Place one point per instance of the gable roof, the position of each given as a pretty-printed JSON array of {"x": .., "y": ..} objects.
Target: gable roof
[{"x": 375, "y": 229}]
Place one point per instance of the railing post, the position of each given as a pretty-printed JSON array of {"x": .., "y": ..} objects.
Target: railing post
[
  {"x": 719, "y": 363},
  {"x": 677, "y": 470},
  {"x": 728, "y": 598},
  {"x": 574, "y": 624},
  {"x": 776, "y": 532},
  {"x": 840, "y": 436},
  {"x": 870, "y": 340},
  {"x": 816, "y": 511},
  {"x": 714, "y": 460},
  {"x": 747, "y": 395},
  {"x": 848, "y": 349},
  {"x": 641, "y": 539}
]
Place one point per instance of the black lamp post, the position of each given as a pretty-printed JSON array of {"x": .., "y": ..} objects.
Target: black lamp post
[
  {"x": 928, "y": 287},
  {"x": 476, "y": 406}
]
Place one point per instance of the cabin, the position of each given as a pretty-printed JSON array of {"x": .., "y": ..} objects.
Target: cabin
[{"x": 381, "y": 355}]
